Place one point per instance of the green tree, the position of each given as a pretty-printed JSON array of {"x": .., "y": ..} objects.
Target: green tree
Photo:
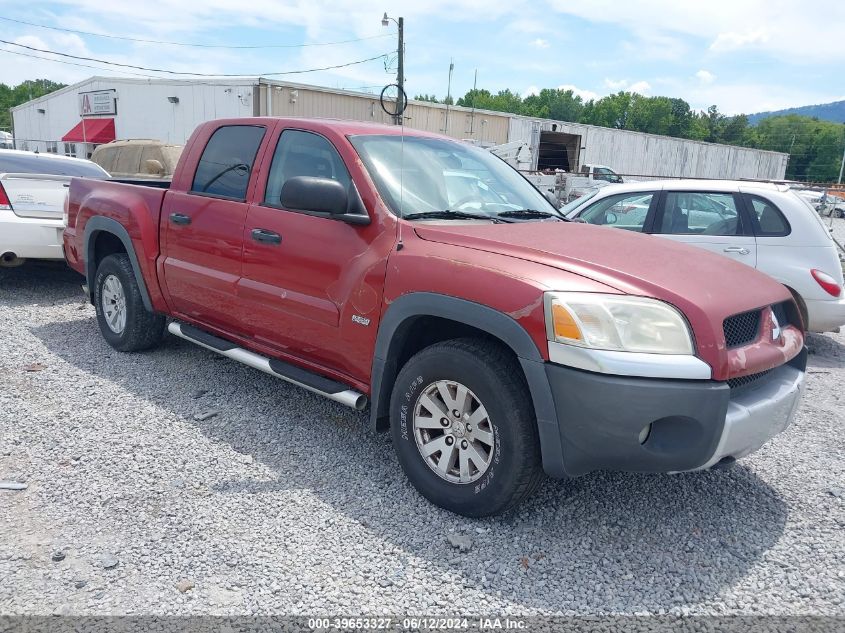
[{"x": 11, "y": 96}]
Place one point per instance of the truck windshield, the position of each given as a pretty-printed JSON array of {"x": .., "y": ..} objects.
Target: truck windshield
[{"x": 419, "y": 175}]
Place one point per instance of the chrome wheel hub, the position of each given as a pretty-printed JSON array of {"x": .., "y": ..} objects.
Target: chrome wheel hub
[
  {"x": 113, "y": 302},
  {"x": 453, "y": 432}
]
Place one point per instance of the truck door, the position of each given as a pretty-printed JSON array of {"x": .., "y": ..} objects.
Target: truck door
[
  {"x": 312, "y": 285},
  {"x": 202, "y": 229},
  {"x": 710, "y": 220}
]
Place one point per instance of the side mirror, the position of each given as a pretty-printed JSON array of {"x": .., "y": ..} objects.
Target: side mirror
[
  {"x": 153, "y": 167},
  {"x": 610, "y": 218},
  {"x": 323, "y": 195}
]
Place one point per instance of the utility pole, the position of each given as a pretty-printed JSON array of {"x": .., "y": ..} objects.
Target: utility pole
[
  {"x": 400, "y": 73},
  {"x": 448, "y": 96},
  {"x": 841, "y": 167},
  {"x": 472, "y": 116}
]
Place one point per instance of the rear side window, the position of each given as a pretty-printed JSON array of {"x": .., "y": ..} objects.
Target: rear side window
[
  {"x": 700, "y": 213},
  {"x": 767, "y": 219},
  {"x": 226, "y": 163}
]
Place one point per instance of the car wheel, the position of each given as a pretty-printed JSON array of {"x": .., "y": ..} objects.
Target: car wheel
[
  {"x": 464, "y": 429},
  {"x": 124, "y": 321}
]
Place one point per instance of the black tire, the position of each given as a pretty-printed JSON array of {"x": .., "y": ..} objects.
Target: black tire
[
  {"x": 493, "y": 375},
  {"x": 143, "y": 329}
]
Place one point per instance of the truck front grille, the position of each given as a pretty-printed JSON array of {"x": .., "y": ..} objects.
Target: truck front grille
[{"x": 741, "y": 328}]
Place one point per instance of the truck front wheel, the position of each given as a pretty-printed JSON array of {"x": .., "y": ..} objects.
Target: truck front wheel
[
  {"x": 463, "y": 427},
  {"x": 124, "y": 321}
]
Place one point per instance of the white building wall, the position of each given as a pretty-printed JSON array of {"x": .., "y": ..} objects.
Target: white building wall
[
  {"x": 637, "y": 153},
  {"x": 143, "y": 109}
]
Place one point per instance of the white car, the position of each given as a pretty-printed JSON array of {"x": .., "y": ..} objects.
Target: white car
[
  {"x": 33, "y": 188},
  {"x": 760, "y": 224}
]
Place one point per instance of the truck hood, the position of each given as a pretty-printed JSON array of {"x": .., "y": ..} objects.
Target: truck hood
[{"x": 704, "y": 286}]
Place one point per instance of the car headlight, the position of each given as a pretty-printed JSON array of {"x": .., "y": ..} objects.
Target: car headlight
[{"x": 616, "y": 322}]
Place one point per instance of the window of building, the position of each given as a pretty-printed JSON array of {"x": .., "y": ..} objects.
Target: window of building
[
  {"x": 70, "y": 149},
  {"x": 52, "y": 147},
  {"x": 226, "y": 163}
]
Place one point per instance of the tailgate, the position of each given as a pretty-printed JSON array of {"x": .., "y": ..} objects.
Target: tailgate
[{"x": 36, "y": 195}]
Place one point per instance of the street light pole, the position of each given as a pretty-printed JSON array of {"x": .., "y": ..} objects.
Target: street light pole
[
  {"x": 841, "y": 167},
  {"x": 400, "y": 73}
]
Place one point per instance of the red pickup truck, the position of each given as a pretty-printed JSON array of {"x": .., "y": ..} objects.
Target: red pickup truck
[{"x": 426, "y": 278}]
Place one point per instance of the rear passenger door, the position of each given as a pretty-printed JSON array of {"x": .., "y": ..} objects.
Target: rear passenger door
[
  {"x": 714, "y": 221},
  {"x": 202, "y": 229}
]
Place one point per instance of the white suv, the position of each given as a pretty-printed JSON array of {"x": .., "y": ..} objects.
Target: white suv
[{"x": 763, "y": 225}]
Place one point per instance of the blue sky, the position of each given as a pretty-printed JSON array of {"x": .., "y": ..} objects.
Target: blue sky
[{"x": 744, "y": 55}]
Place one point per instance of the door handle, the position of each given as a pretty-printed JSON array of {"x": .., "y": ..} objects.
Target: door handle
[
  {"x": 266, "y": 237},
  {"x": 737, "y": 249},
  {"x": 180, "y": 218}
]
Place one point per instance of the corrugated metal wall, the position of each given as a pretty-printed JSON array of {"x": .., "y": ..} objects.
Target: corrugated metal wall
[
  {"x": 294, "y": 100},
  {"x": 650, "y": 155}
]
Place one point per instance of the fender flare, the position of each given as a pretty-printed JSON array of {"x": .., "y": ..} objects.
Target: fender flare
[
  {"x": 99, "y": 224},
  {"x": 397, "y": 324}
]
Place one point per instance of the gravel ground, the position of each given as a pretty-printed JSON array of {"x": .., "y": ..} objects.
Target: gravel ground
[{"x": 140, "y": 501}]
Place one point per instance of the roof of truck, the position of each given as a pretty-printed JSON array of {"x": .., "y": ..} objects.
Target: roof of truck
[{"x": 338, "y": 125}]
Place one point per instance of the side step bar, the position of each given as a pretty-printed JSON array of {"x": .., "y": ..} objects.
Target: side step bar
[{"x": 325, "y": 387}]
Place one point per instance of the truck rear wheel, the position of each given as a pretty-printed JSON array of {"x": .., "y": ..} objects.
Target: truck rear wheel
[
  {"x": 124, "y": 321},
  {"x": 463, "y": 427}
]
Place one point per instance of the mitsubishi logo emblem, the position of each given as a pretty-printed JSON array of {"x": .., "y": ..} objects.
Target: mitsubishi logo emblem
[{"x": 775, "y": 327}]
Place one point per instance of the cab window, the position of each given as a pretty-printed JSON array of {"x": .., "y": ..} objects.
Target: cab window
[
  {"x": 700, "y": 213},
  {"x": 301, "y": 153},
  {"x": 622, "y": 211},
  {"x": 226, "y": 162}
]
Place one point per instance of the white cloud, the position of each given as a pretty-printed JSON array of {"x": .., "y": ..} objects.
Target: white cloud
[
  {"x": 641, "y": 87},
  {"x": 783, "y": 28},
  {"x": 732, "y": 41},
  {"x": 530, "y": 90},
  {"x": 586, "y": 95},
  {"x": 705, "y": 76},
  {"x": 617, "y": 85},
  {"x": 540, "y": 43}
]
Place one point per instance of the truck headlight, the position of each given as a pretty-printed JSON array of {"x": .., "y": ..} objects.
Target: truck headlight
[{"x": 616, "y": 322}]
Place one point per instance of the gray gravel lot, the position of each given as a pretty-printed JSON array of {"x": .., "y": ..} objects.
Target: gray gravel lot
[{"x": 140, "y": 502}]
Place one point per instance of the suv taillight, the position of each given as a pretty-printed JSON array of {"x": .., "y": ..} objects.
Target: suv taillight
[
  {"x": 66, "y": 210},
  {"x": 5, "y": 203},
  {"x": 827, "y": 282}
]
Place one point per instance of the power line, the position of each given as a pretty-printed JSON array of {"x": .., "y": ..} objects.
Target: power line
[
  {"x": 59, "y": 61},
  {"x": 176, "y": 72},
  {"x": 223, "y": 46}
]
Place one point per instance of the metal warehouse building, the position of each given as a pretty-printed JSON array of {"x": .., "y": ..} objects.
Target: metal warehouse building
[{"x": 75, "y": 119}]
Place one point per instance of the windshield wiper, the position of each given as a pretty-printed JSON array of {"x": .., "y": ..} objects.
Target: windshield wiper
[
  {"x": 529, "y": 213},
  {"x": 448, "y": 214}
]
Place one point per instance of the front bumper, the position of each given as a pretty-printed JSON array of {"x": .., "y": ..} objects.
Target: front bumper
[{"x": 687, "y": 424}]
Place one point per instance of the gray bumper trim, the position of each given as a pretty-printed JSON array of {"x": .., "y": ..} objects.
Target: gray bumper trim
[{"x": 758, "y": 414}]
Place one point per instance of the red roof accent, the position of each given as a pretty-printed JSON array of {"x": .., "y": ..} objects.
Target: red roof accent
[{"x": 91, "y": 131}]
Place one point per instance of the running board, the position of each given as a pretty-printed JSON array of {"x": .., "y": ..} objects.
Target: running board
[{"x": 325, "y": 387}]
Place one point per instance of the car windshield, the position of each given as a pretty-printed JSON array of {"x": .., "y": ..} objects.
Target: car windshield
[
  {"x": 580, "y": 200},
  {"x": 41, "y": 164},
  {"x": 429, "y": 175}
]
